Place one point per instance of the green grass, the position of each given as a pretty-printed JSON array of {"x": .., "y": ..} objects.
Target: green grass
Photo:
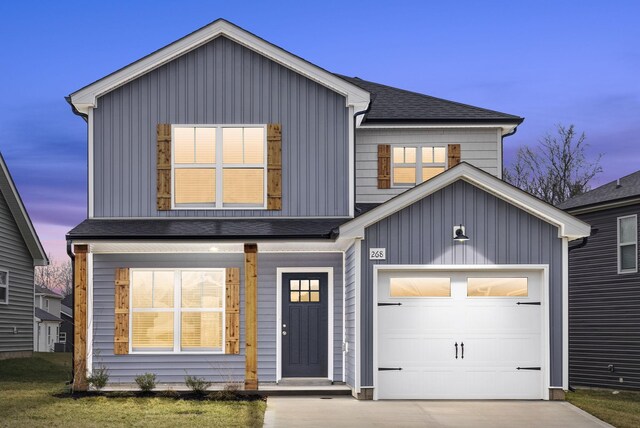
[
  {"x": 28, "y": 389},
  {"x": 621, "y": 410}
]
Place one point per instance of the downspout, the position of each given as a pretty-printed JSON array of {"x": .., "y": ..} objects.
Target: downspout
[
  {"x": 73, "y": 306},
  {"x": 502, "y": 148},
  {"x": 355, "y": 123}
]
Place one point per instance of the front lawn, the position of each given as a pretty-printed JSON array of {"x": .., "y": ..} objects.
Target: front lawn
[
  {"x": 621, "y": 410},
  {"x": 30, "y": 396}
]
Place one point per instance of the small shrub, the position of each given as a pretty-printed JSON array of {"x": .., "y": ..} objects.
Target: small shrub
[
  {"x": 146, "y": 382},
  {"x": 99, "y": 378},
  {"x": 232, "y": 386},
  {"x": 197, "y": 384}
]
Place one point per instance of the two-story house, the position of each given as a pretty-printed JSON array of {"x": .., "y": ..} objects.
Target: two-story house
[
  {"x": 253, "y": 217},
  {"x": 20, "y": 252},
  {"x": 47, "y": 320}
]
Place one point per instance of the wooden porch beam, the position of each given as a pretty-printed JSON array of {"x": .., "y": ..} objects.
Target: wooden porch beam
[
  {"x": 80, "y": 318},
  {"x": 251, "y": 316}
]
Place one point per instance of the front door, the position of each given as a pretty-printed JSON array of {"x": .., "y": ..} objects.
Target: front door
[{"x": 304, "y": 324}]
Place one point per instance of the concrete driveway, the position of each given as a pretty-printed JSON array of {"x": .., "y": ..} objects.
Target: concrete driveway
[{"x": 348, "y": 412}]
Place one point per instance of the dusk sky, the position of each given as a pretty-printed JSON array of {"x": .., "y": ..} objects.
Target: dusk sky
[{"x": 550, "y": 62}]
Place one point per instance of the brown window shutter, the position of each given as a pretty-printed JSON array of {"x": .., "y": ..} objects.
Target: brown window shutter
[
  {"x": 164, "y": 166},
  {"x": 232, "y": 311},
  {"x": 274, "y": 166},
  {"x": 121, "y": 333},
  {"x": 453, "y": 151},
  {"x": 384, "y": 166}
]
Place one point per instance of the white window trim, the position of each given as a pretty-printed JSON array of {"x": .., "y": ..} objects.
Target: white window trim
[
  {"x": 219, "y": 167},
  {"x": 6, "y": 287},
  {"x": 418, "y": 165},
  {"x": 177, "y": 310},
  {"x": 622, "y": 244},
  {"x": 62, "y": 337}
]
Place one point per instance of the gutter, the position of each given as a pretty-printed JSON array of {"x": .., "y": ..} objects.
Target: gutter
[
  {"x": 355, "y": 122},
  {"x": 502, "y": 147},
  {"x": 76, "y": 111},
  {"x": 73, "y": 298}
]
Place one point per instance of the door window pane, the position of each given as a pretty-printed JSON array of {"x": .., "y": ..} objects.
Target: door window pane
[
  {"x": 420, "y": 287},
  {"x": 497, "y": 287}
]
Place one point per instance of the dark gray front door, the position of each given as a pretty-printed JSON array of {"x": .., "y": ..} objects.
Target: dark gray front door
[{"x": 304, "y": 324}]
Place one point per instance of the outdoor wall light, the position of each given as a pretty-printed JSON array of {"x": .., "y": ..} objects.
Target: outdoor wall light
[{"x": 458, "y": 234}]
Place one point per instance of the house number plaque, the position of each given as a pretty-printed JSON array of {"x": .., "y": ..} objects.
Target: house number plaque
[{"x": 377, "y": 253}]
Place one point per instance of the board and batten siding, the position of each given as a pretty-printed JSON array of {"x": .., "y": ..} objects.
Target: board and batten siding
[
  {"x": 350, "y": 315},
  {"x": 215, "y": 367},
  {"x": 478, "y": 146},
  {"x": 499, "y": 234},
  {"x": 604, "y": 308},
  {"x": 16, "y": 259},
  {"x": 222, "y": 82},
  {"x": 268, "y": 263}
]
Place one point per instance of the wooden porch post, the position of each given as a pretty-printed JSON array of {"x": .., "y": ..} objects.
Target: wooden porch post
[
  {"x": 251, "y": 316},
  {"x": 80, "y": 318}
]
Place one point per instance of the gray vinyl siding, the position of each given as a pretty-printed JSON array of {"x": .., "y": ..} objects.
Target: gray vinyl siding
[
  {"x": 604, "y": 308},
  {"x": 500, "y": 234},
  {"x": 168, "y": 367},
  {"x": 216, "y": 367},
  {"x": 222, "y": 82},
  {"x": 16, "y": 259},
  {"x": 350, "y": 315},
  {"x": 267, "y": 281},
  {"x": 478, "y": 147}
]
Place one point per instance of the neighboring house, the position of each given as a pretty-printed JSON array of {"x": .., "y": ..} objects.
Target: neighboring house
[
  {"x": 20, "y": 251},
  {"x": 254, "y": 218},
  {"x": 604, "y": 288},
  {"x": 47, "y": 321},
  {"x": 66, "y": 328}
]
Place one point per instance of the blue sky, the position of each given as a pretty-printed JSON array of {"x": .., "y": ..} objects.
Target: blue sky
[{"x": 550, "y": 61}]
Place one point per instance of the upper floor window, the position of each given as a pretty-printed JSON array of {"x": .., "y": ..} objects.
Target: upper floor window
[
  {"x": 412, "y": 165},
  {"x": 4, "y": 286},
  {"x": 628, "y": 244},
  {"x": 219, "y": 166}
]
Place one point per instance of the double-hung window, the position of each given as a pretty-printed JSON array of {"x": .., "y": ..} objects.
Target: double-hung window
[
  {"x": 415, "y": 164},
  {"x": 4, "y": 287},
  {"x": 219, "y": 166},
  {"x": 628, "y": 244},
  {"x": 177, "y": 310}
]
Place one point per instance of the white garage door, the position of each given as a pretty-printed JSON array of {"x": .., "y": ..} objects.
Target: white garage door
[{"x": 461, "y": 335}]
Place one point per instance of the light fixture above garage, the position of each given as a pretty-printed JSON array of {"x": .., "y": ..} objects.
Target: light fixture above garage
[{"x": 458, "y": 234}]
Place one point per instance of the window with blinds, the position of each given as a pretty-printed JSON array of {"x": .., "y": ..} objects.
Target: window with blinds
[
  {"x": 177, "y": 310},
  {"x": 219, "y": 166},
  {"x": 413, "y": 165}
]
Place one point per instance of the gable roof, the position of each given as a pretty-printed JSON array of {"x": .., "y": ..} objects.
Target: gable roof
[
  {"x": 390, "y": 104},
  {"x": 16, "y": 206},
  {"x": 46, "y": 292},
  {"x": 45, "y": 316},
  {"x": 627, "y": 187},
  {"x": 86, "y": 97},
  {"x": 568, "y": 226}
]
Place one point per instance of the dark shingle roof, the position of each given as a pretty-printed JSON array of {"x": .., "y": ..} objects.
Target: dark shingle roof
[
  {"x": 629, "y": 188},
  {"x": 44, "y": 290},
  {"x": 208, "y": 229},
  {"x": 398, "y": 105},
  {"x": 45, "y": 316}
]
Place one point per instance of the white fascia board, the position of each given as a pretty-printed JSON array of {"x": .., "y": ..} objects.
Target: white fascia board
[
  {"x": 568, "y": 226},
  {"x": 87, "y": 96},
  {"x": 505, "y": 128}
]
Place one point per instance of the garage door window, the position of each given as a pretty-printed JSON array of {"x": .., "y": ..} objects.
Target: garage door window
[
  {"x": 497, "y": 287},
  {"x": 420, "y": 287}
]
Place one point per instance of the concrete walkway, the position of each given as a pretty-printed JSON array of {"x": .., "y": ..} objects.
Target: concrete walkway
[{"x": 348, "y": 412}]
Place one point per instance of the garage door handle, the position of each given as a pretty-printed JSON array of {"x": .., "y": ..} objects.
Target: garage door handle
[
  {"x": 389, "y": 304},
  {"x": 528, "y": 303},
  {"x": 528, "y": 368},
  {"x": 456, "y": 345},
  {"x": 388, "y": 369},
  {"x": 462, "y": 347}
]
